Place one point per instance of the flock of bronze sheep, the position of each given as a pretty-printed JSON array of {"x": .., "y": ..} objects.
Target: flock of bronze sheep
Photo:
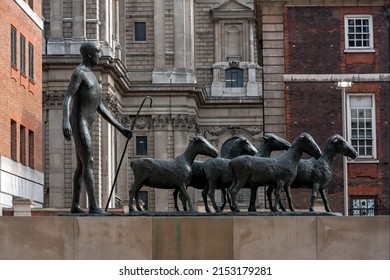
[{"x": 244, "y": 167}]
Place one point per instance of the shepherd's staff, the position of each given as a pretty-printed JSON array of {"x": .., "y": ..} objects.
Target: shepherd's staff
[{"x": 124, "y": 150}]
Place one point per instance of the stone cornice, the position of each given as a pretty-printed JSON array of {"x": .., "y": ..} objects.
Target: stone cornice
[
  {"x": 322, "y": 3},
  {"x": 376, "y": 77}
]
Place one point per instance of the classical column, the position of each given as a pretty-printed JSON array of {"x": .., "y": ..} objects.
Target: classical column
[
  {"x": 78, "y": 25},
  {"x": 252, "y": 85},
  {"x": 179, "y": 74},
  {"x": 55, "y": 44},
  {"x": 216, "y": 86},
  {"x": 190, "y": 40},
  {"x": 160, "y": 74}
]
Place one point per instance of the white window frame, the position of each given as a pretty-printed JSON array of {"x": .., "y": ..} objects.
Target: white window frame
[
  {"x": 370, "y": 48},
  {"x": 372, "y": 157}
]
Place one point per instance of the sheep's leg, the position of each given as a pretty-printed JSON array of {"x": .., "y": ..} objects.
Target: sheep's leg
[
  {"x": 204, "y": 196},
  {"x": 175, "y": 194},
  {"x": 252, "y": 203},
  {"x": 223, "y": 199},
  {"x": 183, "y": 201},
  {"x": 278, "y": 188},
  {"x": 288, "y": 195},
  {"x": 270, "y": 189},
  {"x": 313, "y": 196},
  {"x": 324, "y": 199},
  {"x": 212, "y": 197},
  {"x": 187, "y": 198},
  {"x": 233, "y": 190},
  {"x": 134, "y": 190},
  {"x": 137, "y": 201}
]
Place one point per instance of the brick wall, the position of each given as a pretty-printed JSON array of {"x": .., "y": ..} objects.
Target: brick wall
[
  {"x": 21, "y": 99},
  {"x": 314, "y": 44}
]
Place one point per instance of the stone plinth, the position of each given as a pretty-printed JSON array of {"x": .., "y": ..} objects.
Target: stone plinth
[{"x": 195, "y": 237}]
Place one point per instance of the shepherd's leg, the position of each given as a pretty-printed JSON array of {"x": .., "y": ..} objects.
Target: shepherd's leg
[
  {"x": 83, "y": 143},
  {"x": 77, "y": 177}
]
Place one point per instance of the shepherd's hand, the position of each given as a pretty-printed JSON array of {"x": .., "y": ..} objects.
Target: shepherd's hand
[
  {"x": 127, "y": 133},
  {"x": 67, "y": 131}
]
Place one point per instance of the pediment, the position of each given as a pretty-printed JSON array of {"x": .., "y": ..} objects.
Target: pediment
[{"x": 232, "y": 8}]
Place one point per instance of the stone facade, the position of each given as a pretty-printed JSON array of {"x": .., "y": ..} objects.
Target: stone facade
[
  {"x": 21, "y": 170},
  {"x": 173, "y": 51}
]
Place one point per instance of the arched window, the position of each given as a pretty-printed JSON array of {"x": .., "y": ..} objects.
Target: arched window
[{"x": 234, "y": 78}]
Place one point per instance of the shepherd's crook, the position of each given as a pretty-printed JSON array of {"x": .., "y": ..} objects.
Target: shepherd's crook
[{"x": 124, "y": 151}]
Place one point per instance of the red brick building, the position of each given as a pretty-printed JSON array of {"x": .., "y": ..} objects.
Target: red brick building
[
  {"x": 21, "y": 170},
  {"x": 319, "y": 44}
]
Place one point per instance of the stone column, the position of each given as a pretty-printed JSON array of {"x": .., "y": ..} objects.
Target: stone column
[
  {"x": 252, "y": 86},
  {"x": 160, "y": 74},
  {"x": 190, "y": 40},
  {"x": 160, "y": 148},
  {"x": 273, "y": 61},
  {"x": 179, "y": 74},
  {"x": 216, "y": 86},
  {"x": 182, "y": 26},
  {"x": 78, "y": 25},
  {"x": 55, "y": 44},
  {"x": 59, "y": 161}
]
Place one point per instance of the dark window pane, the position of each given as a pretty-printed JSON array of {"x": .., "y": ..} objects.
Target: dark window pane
[
  {"x": 140, "y": 31},
  {"x": 141, "y": 145}
]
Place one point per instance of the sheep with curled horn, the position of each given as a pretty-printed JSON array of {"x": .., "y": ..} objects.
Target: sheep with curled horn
[
  {"x": 169, "y": 174},
  {"x": 240, "y": 146},
  {"x": 315, "y": 174},
  {"x": 278, "y": 172}
]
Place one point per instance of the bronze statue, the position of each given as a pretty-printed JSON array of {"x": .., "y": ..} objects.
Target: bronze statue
[
  {"x": 240, "y": 146},
  {"x": 315, "y": 174},
  {"x": 278, "y": 172},
  {"x": 169, "y": 174},
  {"x": 84, "y": 95}
]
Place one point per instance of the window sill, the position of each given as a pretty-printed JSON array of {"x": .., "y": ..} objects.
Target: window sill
[
  {"x": 359, "y": 51},
  {"x": 364, "y": 161}
]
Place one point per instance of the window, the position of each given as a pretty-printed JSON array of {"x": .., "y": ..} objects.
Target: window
[
  {"x": 362, "y": 124},
  {"x": 13, "y": 46},
  {"x": 31, "y": 149},
  {"x": 358, "y": 32},
  {"x": 13, "y": 140},
  {"x": 140, "y": 31},
  {"x": 141, "y": 145},
  {"x": 31, "y": 4},
  {"x": 31, "y": 61},
  {"x": 234, "y": 78},
  {"x": 22, "y": 54},
  {"x": 363, "y": 206},
  {"x": 22, "y": 143}
]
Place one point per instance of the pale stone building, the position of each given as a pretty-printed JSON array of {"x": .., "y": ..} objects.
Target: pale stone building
[{"x": 197, "y": 59}]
